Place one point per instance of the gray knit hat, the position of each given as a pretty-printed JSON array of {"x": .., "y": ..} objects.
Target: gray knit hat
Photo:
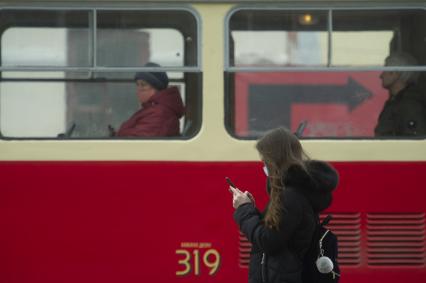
[{"x": 158, "y": 80}]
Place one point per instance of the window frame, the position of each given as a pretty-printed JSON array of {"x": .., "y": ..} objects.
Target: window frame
[
  {"x": 92, "y": 69},
  {"x": 229, "y": 69}
]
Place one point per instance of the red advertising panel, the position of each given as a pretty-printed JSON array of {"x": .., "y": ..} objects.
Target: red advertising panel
[{"x": 335, "y": 104}]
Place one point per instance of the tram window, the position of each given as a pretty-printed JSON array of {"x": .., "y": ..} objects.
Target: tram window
[
  {"x": 30, "y": 109},
  {"x": 51, "y": 86},
  {"x": 134, "y": 47},
  {"x": 271, "y": 38},
  {"x": 366, "y": 37},
  {"x": 341, "y": 95},
  {"x": 166, "y": 37},
  {"x": 37, "y": 38}
]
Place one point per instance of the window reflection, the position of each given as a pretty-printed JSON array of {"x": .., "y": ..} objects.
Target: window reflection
[
  {"x": 136, "y": 37},
  {"x": 335, "y": 104},
  {"x": 361, "y": 54},
  {"x": 98, "y": 91},
  {"x": 278, "y": 38},
  {"x": 269, "y": 48},
  {"x": 342, "y": 100}
]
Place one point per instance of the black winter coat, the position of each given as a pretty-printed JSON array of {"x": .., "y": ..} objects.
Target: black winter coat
[
  {"x": 277, "y": 255},
  {"x": 403, "y": 114}
]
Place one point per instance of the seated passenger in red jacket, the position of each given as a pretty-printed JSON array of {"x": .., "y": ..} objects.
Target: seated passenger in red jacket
[{"x": 162, "y": 107}]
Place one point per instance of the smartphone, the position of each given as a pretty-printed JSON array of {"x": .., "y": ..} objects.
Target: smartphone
[
  {"x": 300, "y": 129},
  {"x": 230, "y": 182}
]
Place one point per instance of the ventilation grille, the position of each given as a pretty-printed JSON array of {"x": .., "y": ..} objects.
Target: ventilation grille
[
  {"x": 245, "y": 248},
  {"x": 346, "y": 226},
  {"x": 396, "y": 239}
]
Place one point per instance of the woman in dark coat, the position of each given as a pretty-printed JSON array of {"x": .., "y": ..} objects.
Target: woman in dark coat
[{"x": 298, "y": 190}]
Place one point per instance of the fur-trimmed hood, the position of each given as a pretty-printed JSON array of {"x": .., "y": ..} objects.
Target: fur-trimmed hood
[{"x": 316, "y": 185}]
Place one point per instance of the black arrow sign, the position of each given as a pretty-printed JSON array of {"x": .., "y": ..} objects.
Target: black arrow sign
[{"x": 270, "y": 105}]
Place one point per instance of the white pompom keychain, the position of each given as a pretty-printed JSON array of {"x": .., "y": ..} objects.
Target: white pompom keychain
[{"x": 324, "y": 263}]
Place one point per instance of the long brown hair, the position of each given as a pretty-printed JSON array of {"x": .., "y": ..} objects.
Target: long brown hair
[{"x": 279, "y": 149}]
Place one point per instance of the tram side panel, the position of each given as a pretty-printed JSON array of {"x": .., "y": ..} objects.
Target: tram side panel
[{"x": 172, "y": 221}]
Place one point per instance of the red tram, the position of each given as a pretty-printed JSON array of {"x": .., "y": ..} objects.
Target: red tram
[{"x": 79, "y": 206}]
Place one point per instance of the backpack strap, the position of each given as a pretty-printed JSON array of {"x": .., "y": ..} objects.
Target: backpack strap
[
  {"x": 322, "y": 224},
  {"x": 326, "y": 220}
]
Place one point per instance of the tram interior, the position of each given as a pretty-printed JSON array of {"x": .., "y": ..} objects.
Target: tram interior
[
  {"x": 76, "y": 80},
  {"x": 62, "y": 74},
  {"x": 271, "y": 40}
]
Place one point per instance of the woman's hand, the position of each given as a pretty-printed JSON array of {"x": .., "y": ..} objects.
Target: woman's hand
[{"x": 240, "y": 198}]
